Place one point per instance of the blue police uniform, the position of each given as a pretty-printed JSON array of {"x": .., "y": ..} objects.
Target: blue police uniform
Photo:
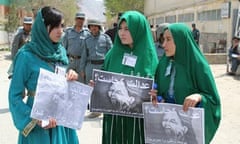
[
  {"x": 95, "y": 49},
  {"x": 19, "y": 40},
  {"x": 73, "y": 42}
]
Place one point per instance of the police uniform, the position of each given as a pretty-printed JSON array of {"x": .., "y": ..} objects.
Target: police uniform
[
  {"x": 21, "y": 37},
  {"x": 73, "y": 42},
  {"x": 195, "y": 33},
  {"x": 95, "y": 49}
]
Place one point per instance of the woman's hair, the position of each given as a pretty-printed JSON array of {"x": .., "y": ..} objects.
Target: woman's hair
[{"x": 52, "y": 17}]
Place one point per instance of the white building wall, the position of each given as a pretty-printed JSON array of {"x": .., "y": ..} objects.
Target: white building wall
[{"x": 154, "y": 9}]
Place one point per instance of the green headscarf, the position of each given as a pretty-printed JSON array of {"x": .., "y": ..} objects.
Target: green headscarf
[
  {"x": 193, "y": 75},
  {"x": 143, "y": 48},
  {"x": 131, "y": 130},
  {"x": 41, "y": 44}
]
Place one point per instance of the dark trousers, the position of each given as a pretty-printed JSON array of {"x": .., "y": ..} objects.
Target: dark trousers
[{"x": 235, "y": 63}]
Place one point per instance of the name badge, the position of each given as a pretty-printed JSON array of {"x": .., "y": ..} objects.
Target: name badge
[
  {"x": 168, "y": 70},
  {"x": 82, "y": 37},
  {"x": 129, "y": 60},
  {"x": 60, "y": 70}
]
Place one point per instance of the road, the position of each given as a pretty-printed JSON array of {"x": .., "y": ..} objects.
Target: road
[{"x": 228, "y": 132}]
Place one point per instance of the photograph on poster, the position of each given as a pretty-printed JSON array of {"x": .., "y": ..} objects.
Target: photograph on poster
[
  {"x": 169, "y": 124},
  {"x": 66, "y": 101},
  {"x": 119, "y": 94}
]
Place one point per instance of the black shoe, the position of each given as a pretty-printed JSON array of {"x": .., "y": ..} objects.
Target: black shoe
[
  {"x": 93, "y": 115},
  {"x": 231, "y": 73}
]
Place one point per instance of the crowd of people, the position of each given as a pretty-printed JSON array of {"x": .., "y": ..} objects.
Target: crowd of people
[{"x": 181, "y": 72}]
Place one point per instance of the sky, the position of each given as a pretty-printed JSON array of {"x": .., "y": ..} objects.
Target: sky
[{"x": 93, "y": 9}]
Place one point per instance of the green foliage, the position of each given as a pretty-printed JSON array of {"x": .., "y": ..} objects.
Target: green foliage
[
  {"x": 12, "y": 18},
  {"x": 113, "y": 7},
  {"x": 68, "y": 7}
]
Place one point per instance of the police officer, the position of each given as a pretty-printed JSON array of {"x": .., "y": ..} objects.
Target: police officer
[
  {"x": 195, "y": 33},
  {"x": 22, "y": 36},
  {"x": 95, "y": 48},
  {"x": 73, "y": 42}
]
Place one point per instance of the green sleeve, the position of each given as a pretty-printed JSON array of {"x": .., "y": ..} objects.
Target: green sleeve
[
  {"x": 210, "y": 101},
  {"x": 19, "y": 109}
]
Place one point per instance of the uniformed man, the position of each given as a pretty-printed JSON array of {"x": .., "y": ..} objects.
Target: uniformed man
[
  {"x": 195, "y": 33},
  {"x": 73, "y": 42},
  {"x": 95, "y": 48},
  {"x": 22, "y": 36}
]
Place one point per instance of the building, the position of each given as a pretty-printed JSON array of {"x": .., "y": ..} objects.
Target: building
[
  {"x": 3, "y": 10},
  {"x": 216, "y": 19}
]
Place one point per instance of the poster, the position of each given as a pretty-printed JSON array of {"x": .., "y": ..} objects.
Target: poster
[
  {"x": 169, "y": 124},
  {"x": 66, "y": 101},
  {"x": 119, "y": 94}
]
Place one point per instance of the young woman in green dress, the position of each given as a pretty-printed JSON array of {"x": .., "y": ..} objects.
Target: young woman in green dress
[
  {"x": 135, "y": 44},
  {"x": 43, "y": 51},
  {"x": 184, "y": 77}
]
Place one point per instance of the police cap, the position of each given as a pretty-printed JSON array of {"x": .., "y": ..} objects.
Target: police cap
[
  {"x": 80, "y": 15},
  {"x": 94, "y": 22},
  {"x": 27, "y": 20}
]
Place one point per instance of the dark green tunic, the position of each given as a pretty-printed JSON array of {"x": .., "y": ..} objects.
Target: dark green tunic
[
  {"x": 193, "y": 75},
  {"x": 120, "y": 129}
]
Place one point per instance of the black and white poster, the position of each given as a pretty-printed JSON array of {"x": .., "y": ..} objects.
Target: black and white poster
[
  {"x": 169, "y": 124},
  {"x": 66, "y": 101},
  {"x": 119, "y": 94}
]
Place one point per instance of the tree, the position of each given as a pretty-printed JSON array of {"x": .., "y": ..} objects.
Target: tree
[
  {"x": 113, "y": 7},
  {"x": 16, "y": 7},
  {"x": 68, "y": 7},
  {"x": 12, "y": 19},
  {"x": 12, "y": 22}
]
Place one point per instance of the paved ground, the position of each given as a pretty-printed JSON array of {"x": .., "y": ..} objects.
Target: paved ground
[
  {"x": 228, "y": 132},
  {"x": 3, "y": 37}
]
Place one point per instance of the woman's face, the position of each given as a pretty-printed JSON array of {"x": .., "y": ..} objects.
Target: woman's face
[
  {"x": 124, "y": 34},
  {"x": 56, "y": 33},
  {"x": 168, "y": 44}
]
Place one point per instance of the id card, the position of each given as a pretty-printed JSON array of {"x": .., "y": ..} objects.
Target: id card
[
  {"x": 60, "y": 70},
  {"x": 168, "y": 70},
  {"x": 129, "y": 60}
]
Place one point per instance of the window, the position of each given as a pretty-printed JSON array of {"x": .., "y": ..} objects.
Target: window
[
  {"x": 171, "y": 19},
  {"x": 160, "y": 20},
  {"x": 211, "y": 15},
  {"x": 188, "y": 17}
]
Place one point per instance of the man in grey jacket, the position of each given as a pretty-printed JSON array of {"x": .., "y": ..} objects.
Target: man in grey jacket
[{"x": 22, "y": 36}]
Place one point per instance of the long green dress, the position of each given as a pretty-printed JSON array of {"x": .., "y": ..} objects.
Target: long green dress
[
  {"x": 121, "y": 129},
  {"x": 39, "y": 53},
  {"x": 192, "y": 75}
]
